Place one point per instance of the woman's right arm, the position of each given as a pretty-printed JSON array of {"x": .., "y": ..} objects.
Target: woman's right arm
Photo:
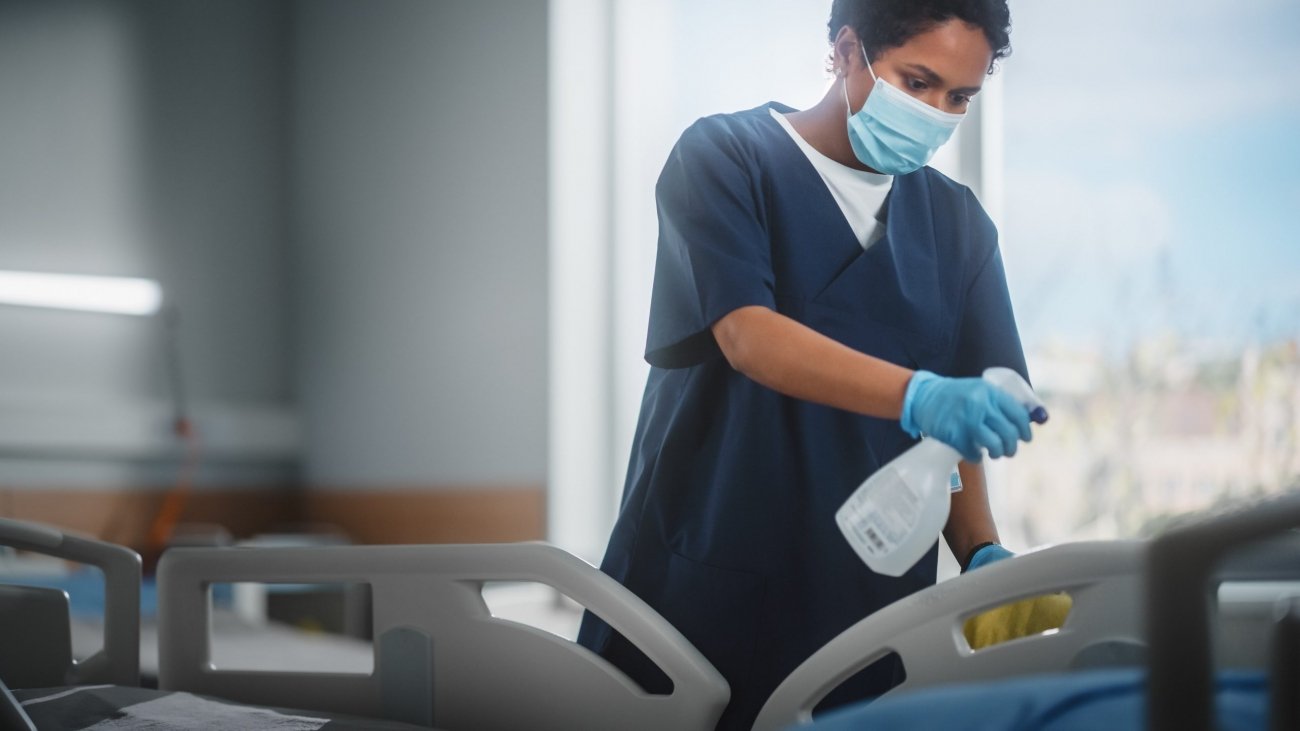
[{"x": 797, "y": 361}]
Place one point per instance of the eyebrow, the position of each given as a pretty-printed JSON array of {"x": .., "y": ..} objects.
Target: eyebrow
[{"x": 935, "y": 79}]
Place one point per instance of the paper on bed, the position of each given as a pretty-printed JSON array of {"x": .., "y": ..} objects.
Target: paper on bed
[{"x": 182, "y": 710}]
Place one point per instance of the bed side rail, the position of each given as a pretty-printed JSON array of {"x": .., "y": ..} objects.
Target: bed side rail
[
  {"x": 925, "y": 629},
  {"x": 118, "y": 662},
  {"x": 440, "y": 657},
  {"x": 1179, "y": 606}
]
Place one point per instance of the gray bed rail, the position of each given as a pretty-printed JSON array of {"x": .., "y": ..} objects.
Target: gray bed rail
[
  {"x": 118, "y": 662},
  {"x": 1182, "y": 563},
  {"x": 1126, "y": 595},
  {"x": 440, "y": 657},
  {"x": 925, "y": 629}
]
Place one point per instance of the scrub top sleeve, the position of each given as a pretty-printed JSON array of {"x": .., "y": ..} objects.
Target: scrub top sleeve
[
  {"x": 713, "y": 256},
  {"x": 988, "y": 335}
]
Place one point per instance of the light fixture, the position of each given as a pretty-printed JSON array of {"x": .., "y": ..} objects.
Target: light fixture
[{"x": 116, "y": 295}]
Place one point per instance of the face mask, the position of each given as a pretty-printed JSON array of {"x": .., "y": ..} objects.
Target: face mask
[{"x": 894, "y": 132}]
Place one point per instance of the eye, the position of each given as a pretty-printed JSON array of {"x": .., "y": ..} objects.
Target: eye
[
  {"x": 961, "y": 100},
  {"x": 915, "y": 84}
]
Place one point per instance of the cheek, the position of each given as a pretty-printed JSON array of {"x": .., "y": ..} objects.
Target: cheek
[{"x": 858, "y": 96}]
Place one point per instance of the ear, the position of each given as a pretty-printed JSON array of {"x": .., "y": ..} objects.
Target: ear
[{"x": 847, "y": 54}]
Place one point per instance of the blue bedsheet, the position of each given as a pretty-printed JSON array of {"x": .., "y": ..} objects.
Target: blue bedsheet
[
  {"x": 85, "y": 589},
  {"x": 1114, "y": 700}
]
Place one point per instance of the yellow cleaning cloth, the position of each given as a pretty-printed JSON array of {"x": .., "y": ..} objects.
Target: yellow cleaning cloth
[{"x": 1019, "y": 619}]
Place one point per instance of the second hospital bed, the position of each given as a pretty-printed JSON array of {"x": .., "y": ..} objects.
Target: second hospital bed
[{"x": 441, "y": 659}]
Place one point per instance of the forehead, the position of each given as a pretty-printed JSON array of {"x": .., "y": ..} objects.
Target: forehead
[{"x": 955, "y": 50}]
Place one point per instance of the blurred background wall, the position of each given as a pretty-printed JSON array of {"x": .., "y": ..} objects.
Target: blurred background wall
[
  {"x": 346, "y": 204},
  {"x": 419, "y": 219}
]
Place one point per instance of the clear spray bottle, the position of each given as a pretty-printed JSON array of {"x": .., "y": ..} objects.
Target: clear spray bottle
[{"x": 894, "y": 517}]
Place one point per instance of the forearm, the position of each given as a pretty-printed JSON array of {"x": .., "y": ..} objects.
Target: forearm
[
  {"x": 798, "y": 361},
  {"x": 970, "y": 519}
]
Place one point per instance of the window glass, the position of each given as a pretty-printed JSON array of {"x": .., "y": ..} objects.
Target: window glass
[{"x": 1151, "y": 187}]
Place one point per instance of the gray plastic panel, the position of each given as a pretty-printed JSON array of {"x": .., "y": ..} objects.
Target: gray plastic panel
[
  {"x": 1178, "y": 597},
  {"x": 488, "y": 674},
  {"x": 35, "y": 636},
  {"x": 406, "y": 678},
  {"x": 925, "y": 629},
  {"x": 118, "y": 662}
]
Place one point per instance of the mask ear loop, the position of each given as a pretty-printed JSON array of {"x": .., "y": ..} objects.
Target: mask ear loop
[
  {"x": 867, "y": 62},
  {"x": 845, "y": 79}
]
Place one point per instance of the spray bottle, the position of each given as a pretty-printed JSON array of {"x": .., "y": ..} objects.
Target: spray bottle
[{"x": 894, "y": 517}]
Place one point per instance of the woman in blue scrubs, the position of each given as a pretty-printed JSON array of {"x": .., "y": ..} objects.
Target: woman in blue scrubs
[{"x": 820, "y": 299}]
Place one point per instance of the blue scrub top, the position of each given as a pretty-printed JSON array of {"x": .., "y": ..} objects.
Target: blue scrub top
[{"x": 727, "y": 522}]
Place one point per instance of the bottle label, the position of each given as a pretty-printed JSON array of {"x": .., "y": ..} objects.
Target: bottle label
[
  {"x": 954, "y": 482},
  {"x": 876, "y": 521}
]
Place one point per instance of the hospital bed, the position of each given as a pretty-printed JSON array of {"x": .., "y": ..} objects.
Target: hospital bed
[
  {"x": 1136, "y": 651},
  {"x": 441, "y": 659}
]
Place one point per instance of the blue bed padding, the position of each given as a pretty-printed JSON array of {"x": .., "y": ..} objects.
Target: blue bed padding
[
  {"x": 85, "y": 589},
  {"x": 1114, "y": 700}
]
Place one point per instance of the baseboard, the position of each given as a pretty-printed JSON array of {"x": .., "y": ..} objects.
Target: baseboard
[
  {"x": 436, "y": 514},
  {"x": 124, "y": 516},
  {"x": 470, "y": 514}
]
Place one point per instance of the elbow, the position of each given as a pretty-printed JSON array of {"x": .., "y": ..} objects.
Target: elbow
[
  {"x": 737, "y": 354},
  {"x": 736, "y": 338}
]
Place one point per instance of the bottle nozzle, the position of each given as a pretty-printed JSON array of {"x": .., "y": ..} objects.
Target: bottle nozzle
[{"x": 1011, "y": 382}]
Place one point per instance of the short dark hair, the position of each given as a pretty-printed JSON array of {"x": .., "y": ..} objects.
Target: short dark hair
[{"x": 885, "y": 24}]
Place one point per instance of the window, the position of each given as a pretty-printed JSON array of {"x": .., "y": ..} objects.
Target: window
[{"x": 1152, "y": 174}]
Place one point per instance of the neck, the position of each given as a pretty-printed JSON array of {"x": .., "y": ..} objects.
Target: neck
[{"x": 825, "y": 127}]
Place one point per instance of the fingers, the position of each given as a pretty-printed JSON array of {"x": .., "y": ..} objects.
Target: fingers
[
  {"x": 1007, "y": 434},
  {"x": 1008, "y": 421},
  {"x": 1015, "y": 412},
  {"x": 973, "y": 415},
  {"x": 989, "y": 439}
]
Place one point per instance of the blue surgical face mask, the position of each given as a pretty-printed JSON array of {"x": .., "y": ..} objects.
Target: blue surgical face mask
[{"x": 894, "y": 132}]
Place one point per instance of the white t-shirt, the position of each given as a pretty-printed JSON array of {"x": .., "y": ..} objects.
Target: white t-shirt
[{"x": 860, "y": 194}]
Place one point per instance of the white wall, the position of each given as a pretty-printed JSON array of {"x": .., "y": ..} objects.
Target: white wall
[
  {"x": 144, "y": 139},
  {"x": 400, "y": 145},
  {"x": 419, "y": 170}
]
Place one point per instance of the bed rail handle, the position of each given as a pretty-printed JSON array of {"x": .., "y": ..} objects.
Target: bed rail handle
[
  {"x": 925, "y": 629},
  {"x": 435, "y": 591},
  {"x": 118, "y": 662}
]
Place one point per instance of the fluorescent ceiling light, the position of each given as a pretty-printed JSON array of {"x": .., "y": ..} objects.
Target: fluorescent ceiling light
[{"x": 117, "y": 295}]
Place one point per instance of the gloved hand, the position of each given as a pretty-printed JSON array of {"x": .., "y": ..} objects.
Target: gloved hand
[
  {"x": 967, "y": 414},
  {"x": 985, "y": 555},
  {"x": 1019, "y": 619}
]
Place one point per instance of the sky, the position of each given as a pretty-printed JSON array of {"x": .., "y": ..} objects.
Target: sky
[{"x": 1153, "y": 170}]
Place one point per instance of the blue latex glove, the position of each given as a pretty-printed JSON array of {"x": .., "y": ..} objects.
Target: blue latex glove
[
  {"x": 987, "y": 555},
  {"x": 967, "y": 414}
]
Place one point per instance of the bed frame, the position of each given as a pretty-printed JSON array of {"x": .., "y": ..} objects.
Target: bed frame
[
  {"x": 440, "y": 657},
  {"x": 1145, "y": 604}
]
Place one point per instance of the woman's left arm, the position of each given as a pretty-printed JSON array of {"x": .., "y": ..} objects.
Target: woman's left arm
[{"x": 970, "y": 521}]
